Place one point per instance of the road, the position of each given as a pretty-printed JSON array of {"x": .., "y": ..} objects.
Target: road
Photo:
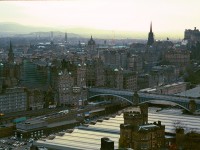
[{"x": 32, "y": 113}]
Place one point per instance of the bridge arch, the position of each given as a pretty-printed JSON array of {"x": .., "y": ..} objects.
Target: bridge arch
[
  {"x": 167, "y": 102},
  {"x": 111, "y": 95}
]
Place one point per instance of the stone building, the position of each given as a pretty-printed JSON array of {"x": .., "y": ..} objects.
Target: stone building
[
  {"x": 114, "y": 78},
  {"x": 65, "y": 85},
  {"x": 135, "y": 63},
  {"x": 188, "y": 140},
  {"x": 120, "y": 79},
  {"x": 130, "y": 80},
  {"x": 13, "y": 100},
  {"x": 72, "y": 86},
  {"x": 95, "y": 73},
  {"x": 164, "y": 74},
  {"x": 115, "y": 58},
  {"x": 81, "y": 75},
  {"x": 35, "y": 99},
  {"x": 137, "y": 134},
  {"x": 172, "y": 88},
  {"x": 192, "y": 36},
  {"x": 143, "y": 81},
  {"x": 180, "y": 58}
]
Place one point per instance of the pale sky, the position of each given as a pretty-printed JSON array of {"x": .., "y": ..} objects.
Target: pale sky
[{"x": 168, "y": 16}]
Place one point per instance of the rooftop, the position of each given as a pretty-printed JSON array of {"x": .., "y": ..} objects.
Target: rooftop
[
  {"x": 89, "y": 137},
  {"x": 194, "y": 93}
]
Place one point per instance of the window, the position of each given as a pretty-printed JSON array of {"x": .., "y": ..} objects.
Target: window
[
  {"x": 144, "y": 146},
  {"x": 144, "y": 137}
]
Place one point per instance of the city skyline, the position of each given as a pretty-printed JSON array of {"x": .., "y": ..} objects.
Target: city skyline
[{"x": 123, "y": 18}]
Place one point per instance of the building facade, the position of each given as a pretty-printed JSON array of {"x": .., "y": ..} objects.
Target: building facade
[
  {"x": 179, "y": 58},
  {"x": 72, "y": 86},
  {"x": 137, "y": 134},
  {"x": 115, "y": 58},
  {"x": 130, "y": 80},
  {"x": 13, "y": 100},
  {"x": 95, "y": 74},
  {"x": 135, "y": 63},
  {"x": 172, "y": 88},
  {"x": 35, "y": 99},
  {"x": 192, "y": 36}
]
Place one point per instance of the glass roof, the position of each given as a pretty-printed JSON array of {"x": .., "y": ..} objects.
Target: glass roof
[{"x": 90, "y": 137}]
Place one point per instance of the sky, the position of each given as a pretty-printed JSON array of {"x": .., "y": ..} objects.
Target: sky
[{"x": 169, "y": 17}]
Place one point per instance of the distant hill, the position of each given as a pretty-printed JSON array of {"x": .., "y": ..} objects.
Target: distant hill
[
  {"x": 22, "y": 30},
  {"x": 10, "y": 28},
  {"x": 18, "y": 28}
]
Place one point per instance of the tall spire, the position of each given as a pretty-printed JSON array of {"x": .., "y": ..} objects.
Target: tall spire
[
  {"x": 10, "y": 54},
  {"x": 151, "y": 36},
  {"x": 65, "y": 37},
  {"x": 10, "y": 46}
]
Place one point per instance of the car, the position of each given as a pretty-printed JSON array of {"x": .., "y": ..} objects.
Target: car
[
  {"x": 31, "y": 140},
  {"x": 3, "y": 141},
  {"x": 13, "y": 138}
]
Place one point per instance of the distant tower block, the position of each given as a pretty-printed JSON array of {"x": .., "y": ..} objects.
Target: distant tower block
[
  {"x": 65, "y": 37},
  {"x": 150, "y": 37}
]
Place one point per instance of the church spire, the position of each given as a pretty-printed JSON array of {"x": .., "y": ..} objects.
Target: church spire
[
  {"x": 151, "y": 36},
  {"x": 10, "y": 54},
  {"x": 10, "y": 50},
  {"x": 65, "y": 37}
]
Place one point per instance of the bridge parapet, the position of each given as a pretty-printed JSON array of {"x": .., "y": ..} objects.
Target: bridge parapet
[{"x": 144, "y": 97}]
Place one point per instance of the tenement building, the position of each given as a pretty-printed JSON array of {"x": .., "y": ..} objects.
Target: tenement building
[
  {"x": 72, "y": 86},
  {"x": 180, "y": 58},
  {"x": 95, "y": 73},
  {"x": 137, "y": 134}
]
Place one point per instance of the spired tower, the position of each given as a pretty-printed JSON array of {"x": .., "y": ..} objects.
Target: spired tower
[
  {"x": 10, "y": 55},
  {"x": 11, "y": 70},
  {"x": 150, "y": 37},
  {"x": 91, "y": 44},
  {"x": 65, "y": 37},
  {"x": 51, "y": 38}
]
